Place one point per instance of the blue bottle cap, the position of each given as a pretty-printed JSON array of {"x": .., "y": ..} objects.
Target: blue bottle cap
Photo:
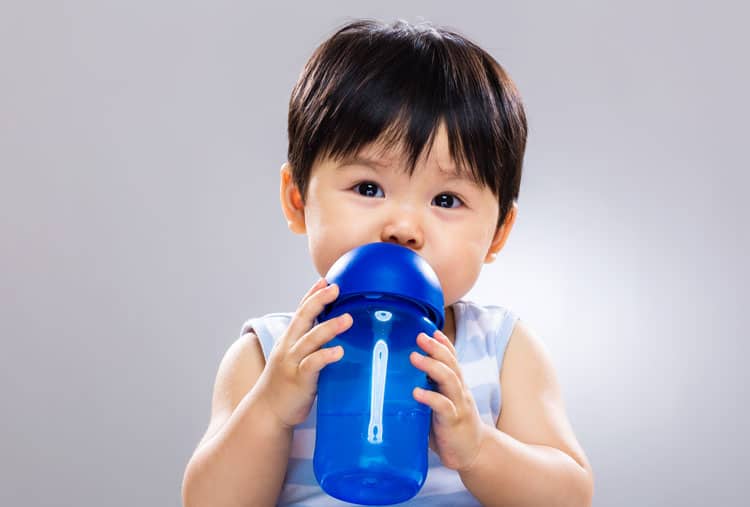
[{"x": 388, "y": 269}]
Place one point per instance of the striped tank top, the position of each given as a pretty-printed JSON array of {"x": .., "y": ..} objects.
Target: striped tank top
[{"x": 482, "y": 334}]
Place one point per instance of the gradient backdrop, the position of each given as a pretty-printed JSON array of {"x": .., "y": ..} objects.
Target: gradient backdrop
[{"x": 140, "y": 144}]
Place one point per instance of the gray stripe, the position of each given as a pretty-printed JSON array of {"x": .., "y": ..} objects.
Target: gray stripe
[
  {"x": 503, "y": 336},
  {"x": 496, "y": 322},
  {"x": 312, "y": 417},
  {"x": 487, "y": 398},
  {"x": 459, "y": 499},
  {"x": 300, "y": 471},
  {"x": 476, "y": 348}
]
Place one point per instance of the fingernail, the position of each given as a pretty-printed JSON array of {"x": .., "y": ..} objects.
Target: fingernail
[{"x": 344, "y": 320}]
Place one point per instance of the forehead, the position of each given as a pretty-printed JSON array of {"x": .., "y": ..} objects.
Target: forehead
[{"x": 437, "y": 156}]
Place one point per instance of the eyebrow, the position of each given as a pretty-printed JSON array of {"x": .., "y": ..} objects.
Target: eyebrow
[
  {"x": 451, "y": 173},
  {"x": 361, "y": 160}
]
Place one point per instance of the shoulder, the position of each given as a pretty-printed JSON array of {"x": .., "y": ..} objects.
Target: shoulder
[
  {"x": 533, "y": 410},
  {"x": 485, "y": 319},
  {"x": 527, "y": 361},
  {"x": 267, "y": 329},
  {"x": 489, "y": 325},
  {"x": 243, "y": 362},
  {"x": 238, "y": 371},
  {"x": 271, "y": 323}
]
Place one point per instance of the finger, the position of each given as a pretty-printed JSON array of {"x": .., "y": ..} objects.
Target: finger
[
  {"x": 318, "y": 285},
  {"x": 310, "y": 366},
  {"x": 440, "y": 405},
  {"x": 448, "y": 382},
  {"x": 319, "y": 336},
  {"x": 442, "y": 338},
  {"x": 437, "y": 348},
  {"x": 304, "y": 317}
]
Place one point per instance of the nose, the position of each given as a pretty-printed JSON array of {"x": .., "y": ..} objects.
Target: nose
[{"x": 404, "y": 227}]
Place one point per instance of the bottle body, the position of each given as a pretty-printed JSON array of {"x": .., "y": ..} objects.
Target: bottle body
[{"x": 371, "y": 434}]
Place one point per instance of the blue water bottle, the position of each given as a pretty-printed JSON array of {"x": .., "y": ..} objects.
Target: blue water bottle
[{"x": 372, "y": 435}]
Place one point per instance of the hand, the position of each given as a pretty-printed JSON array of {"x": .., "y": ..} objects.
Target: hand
[
  {"x": 457, "y": 430},
  {"x": 289, "y": 380}
]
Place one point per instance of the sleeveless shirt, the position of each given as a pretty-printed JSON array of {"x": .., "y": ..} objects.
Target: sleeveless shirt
[{"x": 482, "y": 334}]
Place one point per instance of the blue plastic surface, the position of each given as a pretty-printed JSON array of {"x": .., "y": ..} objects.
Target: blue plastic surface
[
  {"x": 371, "y": 434},
  {"x": 388, "y": 269}
]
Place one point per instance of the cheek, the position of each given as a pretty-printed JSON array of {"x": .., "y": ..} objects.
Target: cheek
[
  {"x": 459, "y": 270},
  {"x": 458, "y": 280},
  {"x": 331, "y": 235},
  {"x": 315, "y": 225}
]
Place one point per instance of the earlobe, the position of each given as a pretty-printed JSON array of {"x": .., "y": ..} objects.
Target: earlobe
[
  {"x": 501, "y": 234},
  {"x": 291, "y": 201}
]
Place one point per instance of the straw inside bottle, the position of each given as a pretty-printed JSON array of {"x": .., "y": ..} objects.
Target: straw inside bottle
[{"x": 381, "y": 329}]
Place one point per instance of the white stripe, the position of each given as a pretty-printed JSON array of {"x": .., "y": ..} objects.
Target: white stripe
[
  {"x": 488, "y": 419},
  {"x": 441, "y": 481},
  {"x": 303, "y": 443},
  {"x": 293, "y": 493},
  {"x": 479, "y": 320},
  {"x": 481, "y": 371}
]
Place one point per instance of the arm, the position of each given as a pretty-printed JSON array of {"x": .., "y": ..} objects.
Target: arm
[
  {"x": 532, "y": 458},
  {"x": 243, "y": 456}
]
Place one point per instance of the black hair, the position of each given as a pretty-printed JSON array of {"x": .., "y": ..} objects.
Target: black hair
[{"x": 395, "y": 83}]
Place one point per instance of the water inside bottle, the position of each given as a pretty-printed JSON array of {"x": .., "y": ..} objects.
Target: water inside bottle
[{"x": 373, "y": 433}]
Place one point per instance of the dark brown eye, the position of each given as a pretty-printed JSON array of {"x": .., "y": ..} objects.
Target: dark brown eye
[
  {"x": 447, "y": 201},
  {"x": 368, "y": 189}
]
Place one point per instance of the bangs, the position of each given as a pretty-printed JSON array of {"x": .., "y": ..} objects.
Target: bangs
[
  {"x": 391, "y": 87},
  {"x": 402, "y": 138}
]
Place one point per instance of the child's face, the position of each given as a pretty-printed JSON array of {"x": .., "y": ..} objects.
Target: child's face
[{"x": 451, "y": 222}]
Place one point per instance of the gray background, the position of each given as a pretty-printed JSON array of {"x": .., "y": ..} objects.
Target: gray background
[{"x": 140, "y": 144}]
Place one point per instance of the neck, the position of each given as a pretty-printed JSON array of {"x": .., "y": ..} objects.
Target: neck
[{"x": 449, "y": 329}]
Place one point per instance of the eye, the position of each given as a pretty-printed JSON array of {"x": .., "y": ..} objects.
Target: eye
[
  {"x": 448, "y": 201},
  {"x": 368, "y": 189}
]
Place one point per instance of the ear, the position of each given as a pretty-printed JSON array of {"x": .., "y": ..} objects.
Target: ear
[
  {"x": 291, "y": 201},
  {"x": 501, "y": 234}
]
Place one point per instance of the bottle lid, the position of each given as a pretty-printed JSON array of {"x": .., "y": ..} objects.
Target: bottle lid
[{"x": 388, "y": 269}]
